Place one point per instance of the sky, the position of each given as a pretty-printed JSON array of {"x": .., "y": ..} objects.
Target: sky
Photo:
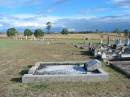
[{"x": 76, "y": 15}]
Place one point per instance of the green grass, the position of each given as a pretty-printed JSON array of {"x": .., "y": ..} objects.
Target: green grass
[
  {"x": 7, "y": 43},
  {"x": 17, "y": 56}
]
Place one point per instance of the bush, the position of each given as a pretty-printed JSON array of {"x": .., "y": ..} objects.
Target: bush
[
  {"x": 38, "y": 33},
  {"x": 65, "y": 31}
]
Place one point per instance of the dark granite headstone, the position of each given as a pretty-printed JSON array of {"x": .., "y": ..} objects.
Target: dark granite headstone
[{"x": 92, "y": 65}]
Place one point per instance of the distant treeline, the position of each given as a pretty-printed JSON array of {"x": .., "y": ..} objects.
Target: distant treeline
[
  {"x": 66, "y": 31},
  {"x": 73, "y": 32},
  {"x": 84, "y": 32},
  {"x": 40, "y": 33}
]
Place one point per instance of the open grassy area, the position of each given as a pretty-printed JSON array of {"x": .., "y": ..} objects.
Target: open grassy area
[{"x": 16, "y": 56}]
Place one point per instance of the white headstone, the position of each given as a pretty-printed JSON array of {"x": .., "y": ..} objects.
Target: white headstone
[
  {"x": 118, "y": 42},
  {"x": 126, "y": 42},
  {"x": 104, "y": 56}
]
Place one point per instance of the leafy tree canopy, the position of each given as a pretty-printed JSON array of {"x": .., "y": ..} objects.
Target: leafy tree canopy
[
  {"x": 27, "y": 32},
  {"x": 11, "y": 32},
  {"x": 64, "y": 31},
  {"x": 38, "y": 33},
  {"x": 116, "y": 31},
  {"x": 48, "y": 26},
  {"x": 126, "y": 32}
]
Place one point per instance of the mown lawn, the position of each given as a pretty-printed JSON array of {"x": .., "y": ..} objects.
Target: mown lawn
[{"x": 17, "y": 56}]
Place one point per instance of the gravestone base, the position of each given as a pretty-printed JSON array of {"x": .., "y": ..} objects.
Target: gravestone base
[{"x": 32, "y": 76}]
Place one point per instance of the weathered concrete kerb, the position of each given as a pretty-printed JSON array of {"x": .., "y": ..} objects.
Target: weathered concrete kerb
[
  {"x": 122, "y": 66},
  {"x": 78, "y": 72}
]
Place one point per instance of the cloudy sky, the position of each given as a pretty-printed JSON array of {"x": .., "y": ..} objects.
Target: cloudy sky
[{"x": 76, "y": 15}]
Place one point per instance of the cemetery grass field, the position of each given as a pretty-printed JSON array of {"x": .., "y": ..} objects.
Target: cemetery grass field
[{"x": 17, "y": 56}]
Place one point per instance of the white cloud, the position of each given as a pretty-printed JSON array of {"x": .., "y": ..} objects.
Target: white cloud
[
  {"x": 1, "y": 25},
  {"x": 122, "y": 3},
  {"x": 72, "y": 29},
  {"x": 59, "y": 1},
  {"x": 72, "y": 23},
  {"x": 102, "y": 23},
  {"x": 27, "y": 20},
  {"x": 18, "y": 3},
  {"x": 87, "y": 11},
  {"x": 23, "y": 16}
]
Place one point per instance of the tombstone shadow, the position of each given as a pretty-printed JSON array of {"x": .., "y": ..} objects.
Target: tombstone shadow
[
  {"x": 18, "y": 80},
  {"x": 21, "y": 73},
  {"x": 120, "y": 71},
  {"x": 85, "y": 53}
]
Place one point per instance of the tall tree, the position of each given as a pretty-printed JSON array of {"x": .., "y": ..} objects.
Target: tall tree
[
  {"x": 117, "y": 31},
  {"x": 11, "y": 32},
  {"x": 27, "y": 32},
  {"x": 129, "y": 34},
  {"x": 49, "y": 27},
  {"x": 38, "y": 33},
  {"x": 126, "y": 33},
  {"x": 97, "y": 30},
  {"x": 64, "y": 31}
]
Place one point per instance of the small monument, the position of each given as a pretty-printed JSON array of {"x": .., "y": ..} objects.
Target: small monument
[{"x": 92, "y": 65}]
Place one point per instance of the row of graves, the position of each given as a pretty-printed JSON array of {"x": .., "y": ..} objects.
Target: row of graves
[{"x": 116, "y": 55}]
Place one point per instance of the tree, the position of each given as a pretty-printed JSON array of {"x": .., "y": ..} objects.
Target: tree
[
  {"x": 11, "y": 32},
  {"x": 129, "y": 35},
  {"x": 97, "y": 30},
  {"x": 116, "y": 31},
  {"x": 48, "y": 27},
  {"x": 38, "y": 33},
  {"x": 64, "y": 31},
  {"x": 126, "y": 33},
  {"x": 27, "y": 32}
]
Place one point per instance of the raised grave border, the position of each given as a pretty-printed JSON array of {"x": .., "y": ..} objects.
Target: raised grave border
[
  {"x": 31, "y": 77},
  {"x": 122, "y": 66}
]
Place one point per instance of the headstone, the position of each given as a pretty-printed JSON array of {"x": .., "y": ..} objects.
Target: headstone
[
  {"x": 126, "y": 42},
  {"x": 101, "y": 42},
  {"x": 92, "y": 65},
  {"x": 95, "y": 53},
  {"x": 118, "y": 42},
  {"x": 104, "y": 56},
  {"x": 26, "y": 37}
]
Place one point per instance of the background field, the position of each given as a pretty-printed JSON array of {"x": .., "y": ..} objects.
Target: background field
[
  {"x": 17, "y": 56},
  {"x": 90, "y": 36}
]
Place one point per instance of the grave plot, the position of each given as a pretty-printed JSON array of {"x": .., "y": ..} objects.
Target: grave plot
[
  {"x": 66, "y": 71},
  {"x": 119, "y": 50},
  {"x": 122, "y": 66}
]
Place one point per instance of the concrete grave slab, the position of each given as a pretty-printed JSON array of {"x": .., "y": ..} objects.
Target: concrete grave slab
[{"x": 63, "y": 71}]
